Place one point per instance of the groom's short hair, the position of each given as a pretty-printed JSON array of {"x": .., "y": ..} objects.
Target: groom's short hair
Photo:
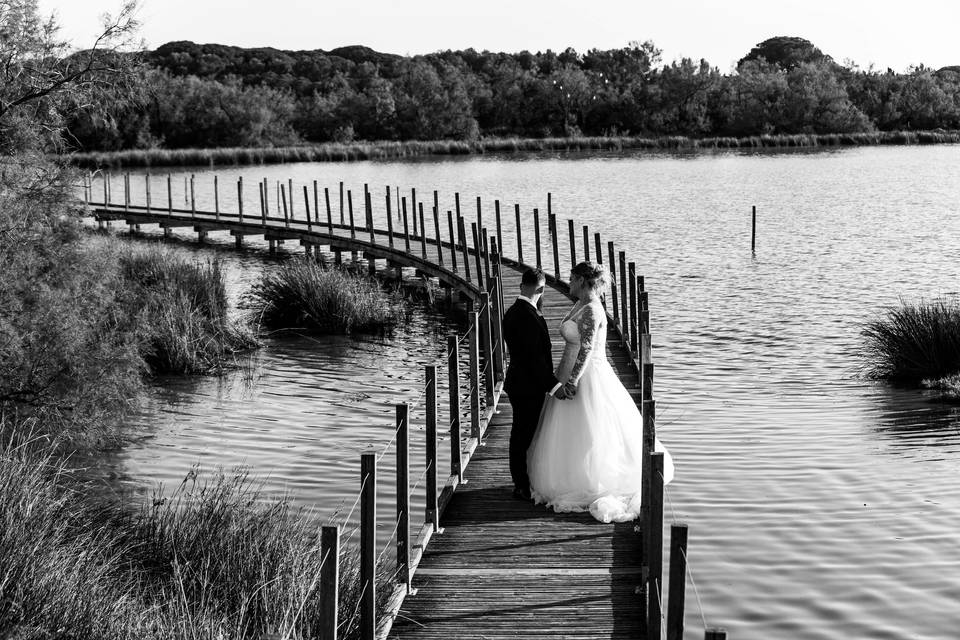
[{"x": 533, "y": 277}]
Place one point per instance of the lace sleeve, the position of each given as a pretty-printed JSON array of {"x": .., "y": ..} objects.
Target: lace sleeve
[{"x": 588, "y": 323}]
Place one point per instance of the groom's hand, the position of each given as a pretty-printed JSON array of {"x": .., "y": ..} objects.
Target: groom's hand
[{"x": 569, "y": 390}]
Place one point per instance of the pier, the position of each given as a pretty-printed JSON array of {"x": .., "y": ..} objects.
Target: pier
[{"x": 482, "y": 564}]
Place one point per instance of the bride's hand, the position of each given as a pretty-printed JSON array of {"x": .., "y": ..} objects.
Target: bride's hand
[{"x": 569, "y": 390}]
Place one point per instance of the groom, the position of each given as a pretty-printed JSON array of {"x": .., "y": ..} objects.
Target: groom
[{"x": 530, "y": 375}]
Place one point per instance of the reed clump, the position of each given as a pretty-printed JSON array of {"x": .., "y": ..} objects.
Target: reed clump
[
  {"x": 914, "y": 342},
  {"x": 181, "y": 313},
  {"x": 216, "y": 559},
  {"x": 304, "y": 294}
]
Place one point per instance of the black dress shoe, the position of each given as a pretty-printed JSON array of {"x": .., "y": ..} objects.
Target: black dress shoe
[{"x": 522, "y": 494}]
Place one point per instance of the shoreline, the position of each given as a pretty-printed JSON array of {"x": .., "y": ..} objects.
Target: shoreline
[{"x": 354, "y": 151}]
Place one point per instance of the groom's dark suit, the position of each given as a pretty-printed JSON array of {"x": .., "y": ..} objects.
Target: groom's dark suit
[{"x": 529, "y": 378}]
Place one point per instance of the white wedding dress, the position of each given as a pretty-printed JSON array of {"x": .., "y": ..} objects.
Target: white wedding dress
[{"x": 586, "y": 454}]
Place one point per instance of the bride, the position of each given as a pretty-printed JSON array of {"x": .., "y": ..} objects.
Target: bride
[{"x": 586, "y": 454}]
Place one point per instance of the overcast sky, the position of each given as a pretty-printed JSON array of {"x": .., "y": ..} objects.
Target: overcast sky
[{"x": 888, "y": 34}]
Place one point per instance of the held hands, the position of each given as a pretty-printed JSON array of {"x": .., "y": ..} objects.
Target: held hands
[{"x": 567, "y": 391}]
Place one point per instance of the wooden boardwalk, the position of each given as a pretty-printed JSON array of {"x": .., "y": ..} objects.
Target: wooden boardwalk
[
  {"x": 498, "y": 567},
  {"x": 504, "y": 568}
]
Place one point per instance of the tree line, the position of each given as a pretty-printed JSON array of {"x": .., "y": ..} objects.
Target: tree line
[{"x": 192, "y": 95}]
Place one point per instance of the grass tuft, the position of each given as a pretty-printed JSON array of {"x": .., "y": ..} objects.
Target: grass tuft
[
  {"x": 303, "y": 294},
  {"x": 914, "y": 342}
]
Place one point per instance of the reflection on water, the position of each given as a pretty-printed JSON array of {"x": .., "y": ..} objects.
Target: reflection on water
[{"x": 820, "y": 505}]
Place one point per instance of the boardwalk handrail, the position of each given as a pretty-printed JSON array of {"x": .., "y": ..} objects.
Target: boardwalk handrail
[{"x": 627, "y": 308}]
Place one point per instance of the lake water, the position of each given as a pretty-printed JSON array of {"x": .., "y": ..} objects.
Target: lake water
[{"x": 820, "y": 505}]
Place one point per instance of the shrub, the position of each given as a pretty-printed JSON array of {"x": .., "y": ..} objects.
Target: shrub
[
  {"x": 303, "y": 294},
  {"x": 914, "y": 342}
]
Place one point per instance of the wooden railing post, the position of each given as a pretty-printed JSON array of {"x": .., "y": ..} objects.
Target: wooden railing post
[
  {"x": 453, "y": 375},
  {"x": 413, "y": 210},
  {"x": 432, "y": 511},
  {"x": 475, "y": 376},
  {"x": 306, "y": 207},
  {"x": 436, "y": 231},
  {"x": 573, "y": 243},
  {"x": 478, "y": 258},
  {"x": 536, "y": 233},
  {"x": 240, "y": 199},
  {"x": 678, "y": 580},
  {"x": 126, "y": 191},
  {"x": 342, "y": 221},
  {"x": 353, "y": 227},
  {"x": 369, "y": 204},
  {"x": 624, "y": 300},
  {"x": 496, "y": 214},
  {"x": 552, "y": 227},
  {"x": 479, "y": 215},
  {"x": 516, "y": 211},
  {"x": 316, "y": 203},
  {"x": 462, "y": 235},
  {"x": 283, "y": 197},
  {"x": 368, "y": 545},
  {"x": 486, "y": 253},
  {"x": 496, "y": 318},
  {"x": 389, "y": 220},
  {"x": 586, "y": 244},
  {"x": 486, "y": 345},
  {"x": 406, "y": 223},
  {"x": 146, "y": 185},
  {"x": 615, "y": 306},
  {"x": 403, "y": 493},
  {"x": 634, "y": 333},
  {"x": 644, "y": 305},
  {"x": 326, "y": 199},
  {"x": 290, "y": 193},
  {"x": 598, "y": 247},
  {"x": 193, "y": 198},
  {"x": 263, "y": 204},
  {"x": 655, "y": 546},
  {"x": 453, "y": 242},
  {"x": 329, "y": 580},
  {"x": 423, "y": 231}
]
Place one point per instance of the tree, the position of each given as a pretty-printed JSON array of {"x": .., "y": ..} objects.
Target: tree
[{"x": 787, "y": 52}]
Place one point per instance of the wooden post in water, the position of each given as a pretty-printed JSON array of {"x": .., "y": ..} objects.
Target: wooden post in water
[
  {"x": 634, "y": 333},
  {"x": 240, "y": 199},
  {"x": 477, "y": 253},
  {"x": 496, "y": 318},
  {"x": 263, "y": 204},
  {"x": 486, "y": 254},
  {"x": 554, "y": 242},
  {"x": 516, "y": 211},
  {"x": 283, "y": 196},
  {"x": 586, "y": 243},
  {"x": 453, "y": 241},
  {"x": 536, "y": 233},
  {"x": 475, "y": 375},
  {"x": 462, "y": 235},
  {"x": 479, "y": 215},
  {"x": 413, "y": 210},
  {"x": 644, "y": 305},
  {"x": 373, "y": 236},
  {"x": 432, "y": 513},
  {"x": 266, "y": 198},
  {"x": 329, "y": 581},
  {"x": 753, "y": 231},
  {"x": 290, "y": 191},
  {"x": 436, "y": 231},
  {"x": 389, "y": 220},
  {"x": 126, "y": 191},
  {"x": 655, "y": 544},
  {"x": 368, "y": 545},
  {"x": 403, "y": 493},
  {"x": 573, "y": 243},
  {"x": 598, "y": 247},
  {"x": 169, "y": 194},
  {"x": 678, "y": 580},
  {"x": 342, "y": 220},
  {"x": 453, "y": 375},
  {"x": 316, "y": 202},
  {"x": 406, "y": 223},
  {"x": 193, "y": 199},
  {"x": 486, "y": 345}
]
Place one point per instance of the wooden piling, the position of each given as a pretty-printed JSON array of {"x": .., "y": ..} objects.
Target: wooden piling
[
  {"x": 290, "y": 191},
  {"x": 496, "y": 325},
  {"x": 263, "y": 204},
  {"x": 436, "y": 231},
  {"x": 403, "y": 493},
  {"x": 496, "y": 215},
  {"x": 536, "y": 232},
  {"x": 316, "y": 202},
  {"x": 586, "y": 243},
  {"x": 283, "y": 196},
  {"x": 329, "y": 580},
  {"x": 368, "y": 545},
  {"x": 615, "y": 306},
  {"x": 342, "y": 220},
  {"x": 453, "y": 375},
  {"x": 477, "y": 253},
  {"x": 644, "y": 306},
  {"x": 353, "y": 228},
  {"x": 678, "y": 580},
  {"x": 193, "y": 198},
  {"x": 126, "y": 191},
  {"x": 414, "y": 208},
  {"x": 597, "y": 247},
  {"x": 432, "y": 512},
  {"x": 655, "y": 544},
  {"x": 306, "y": 207},
  {"x": 369, "y": 201},
  {"x": 486, "y": 254},
  {"x": 624, "y": 299},
  {"x": 474, "y": 346},
  {"x": 753, "y": 231},
  {"x": 573, "y": 243},
  {"x": 240, "y": 199},
  {"x": 462, "y": 235},
  {"x": 479, "y": 215},
  {"x": 423, "y": 232}
]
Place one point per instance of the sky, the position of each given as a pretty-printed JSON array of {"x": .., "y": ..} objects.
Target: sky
[{"x": 880, "y": 32}]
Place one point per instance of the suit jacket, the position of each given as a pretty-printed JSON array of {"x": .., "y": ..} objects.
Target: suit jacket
[{"x": 528, "y": 341}]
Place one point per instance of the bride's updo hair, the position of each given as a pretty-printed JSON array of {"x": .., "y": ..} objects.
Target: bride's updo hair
[{"x": 595, "y": 276}]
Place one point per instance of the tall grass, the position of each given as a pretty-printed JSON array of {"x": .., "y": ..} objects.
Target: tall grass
[
  {"x": 214, "y": 560},
  {"x": 181, "y": 312},
  {"x": 339, "y": 152},
  {"x": 303, "y": 294},
  {"x": 914, "y": 342}
]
